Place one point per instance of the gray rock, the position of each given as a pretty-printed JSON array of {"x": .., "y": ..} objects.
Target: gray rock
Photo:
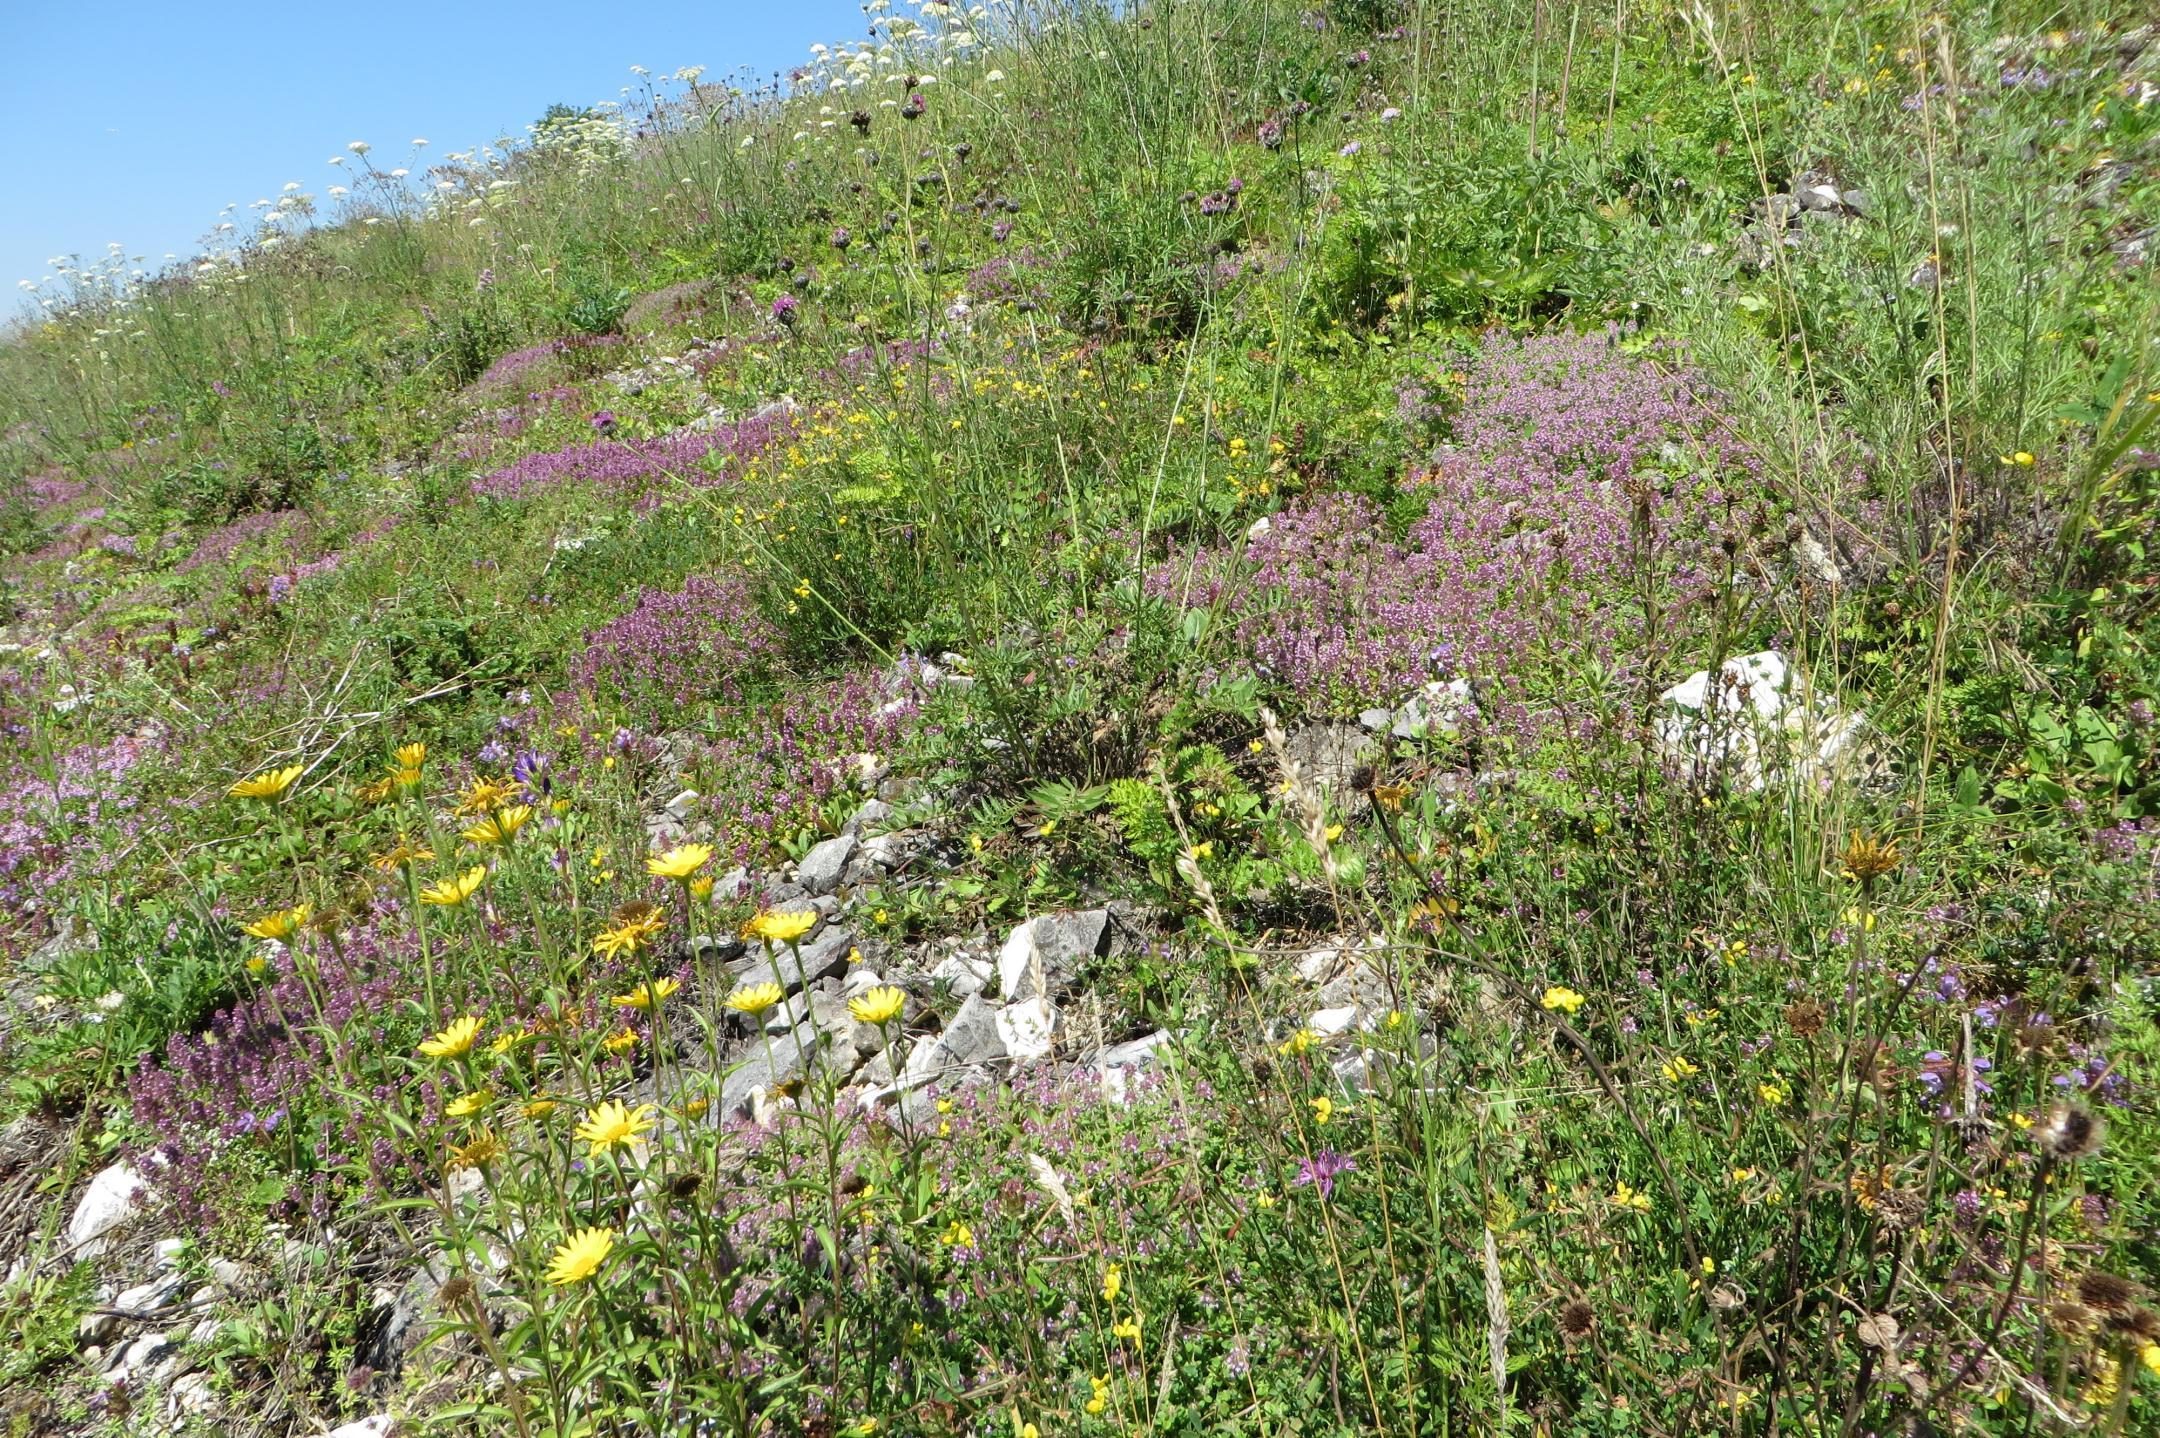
[
  {"x": 192, "y": 1395},
  {"x": 772, "y": 1062},
  {"x": 134, "y": 1358},
  {"x": 963, "y": 975},
  {"x": 1859, "y": 202},
  {"x": 1028, "y": 1030},
  {"x": 116, "y": 1195},
  {"x": 823, "y": 957},
  {"x": 147, "y": 1300},
  {"x": 375, "y": 1425},
  {"x": 873, "y": 813},
  {"x": 858, "y": 981},
  {"x": 1778, "y": 210},
  {"x": 821, "y": 868},
  {"x": 398, "y": 1323},
  {"x": 1045, "y": 953},
  {"x": 93, "y": 1329}
]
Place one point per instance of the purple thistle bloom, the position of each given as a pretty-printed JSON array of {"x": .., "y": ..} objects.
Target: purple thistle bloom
[{"x": 1320, "y": 1170}]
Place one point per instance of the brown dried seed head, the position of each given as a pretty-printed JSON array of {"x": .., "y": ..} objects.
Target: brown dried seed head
[
  {"x": 686, "y": 1185},
  {"x": 1805, "y": 1018},
  {"x": 1577, "y": 1320},
  {"x": 1867, "y": 857},
  {"x": 2139, "y": 1325},
  {"x": 1900, "y": 1208},
  {"x": 2069, "y": 1133},
  {"x": 2106, "y": 1292},
  {"x": 455, "y": 1293}
]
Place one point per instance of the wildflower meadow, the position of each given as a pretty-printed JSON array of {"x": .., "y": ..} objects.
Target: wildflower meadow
[{"x": 1221, "y": 717}]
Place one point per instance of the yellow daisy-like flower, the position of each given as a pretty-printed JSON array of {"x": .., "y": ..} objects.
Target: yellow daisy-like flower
[
  {"x": 256, "y": 964},
  {"x": 407, "y": 779},
  {"x": 680, "y": 862},
  {"x": 756, "y": 998},
  {"x": 499, "y": 827},
  {"x": 614, "y": 1123},
  {"x": 268, "y": 785},
  {"x": 620, "y": 1042},
  {"x": 632, "y": 930},
  {"x": 701, "y": 887},
  {"x": 281, "y": 925},
  {"x": 375, "y": 792},
  {"x": 507, "y": 1040},
  {"x": 402, "y": 855},
  {"x": 453, "y": 1040},
  {"x": 477, "y": 1153},
  {"x": 1562, "y": 998},
  {"x": 647, "y": 994},
  {"x": 780, "y": 928},
  {"x": 539, "y": 1108},
  {"x": 465, "y": 1105},
  {"x": 452, "y": 892},
  {"x": 878, "y": 1006},
  {"x": 581, "y": 1257},
  {"x": 487, "y": 795},
  {"x": 411, "y": 756}
]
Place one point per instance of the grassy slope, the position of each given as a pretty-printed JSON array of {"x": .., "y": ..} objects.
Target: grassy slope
[{"x": 1731, "y": 1153}]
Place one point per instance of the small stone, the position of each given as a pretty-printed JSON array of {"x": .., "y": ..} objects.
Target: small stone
[
  {"x": 93, "y": 1329},
  {"x": 821, "y": 868},
  {"x": 376, "y": 1425},
  {"x": 123, "y": 1362},
  {"x": 873, "y": 813},
  {"x": 962, "y": 975},
  {"x": 146, "y": 1300},
  {"x": 859, "y": 981},
  {"x": 1333, "y": 1022},
  {"x": 116, "y": 1195},
  {"x": 1028, "y": 1030},
  {"x": 192, "y": 1395},
  {"x": 168, "y": 1250}
]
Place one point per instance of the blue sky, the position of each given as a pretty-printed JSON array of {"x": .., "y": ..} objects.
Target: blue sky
[{"x": 139, "y": 122}]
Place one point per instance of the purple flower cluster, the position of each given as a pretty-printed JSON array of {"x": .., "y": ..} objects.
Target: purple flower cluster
[
  {"x": 222, "y": 543},
  {"x": 639, "y": 469},
  {"x": 1565, "y": 449},
  {"x": 514, "y": 366},
  {"x": 677, "y": 647},
  {"x": 764, "y": 778}
]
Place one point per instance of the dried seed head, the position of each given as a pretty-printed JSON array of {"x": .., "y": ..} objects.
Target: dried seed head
[
  {"x": 1805, "y": 1018},
  {"x": 1868, "y": 858},
  {"x": 2107, "y": 1293},
  {"x": 1577, "y": 1320},
  {"x": 2070, "y": 1133},
  {"x": 2139, "y": 1325},
  {"x": 685, "y": 1185},
  {"x": 2070, "y": 1316},
  {"x": 456, "y": 1293},
  {"x": 1900, "y": 1208}
]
